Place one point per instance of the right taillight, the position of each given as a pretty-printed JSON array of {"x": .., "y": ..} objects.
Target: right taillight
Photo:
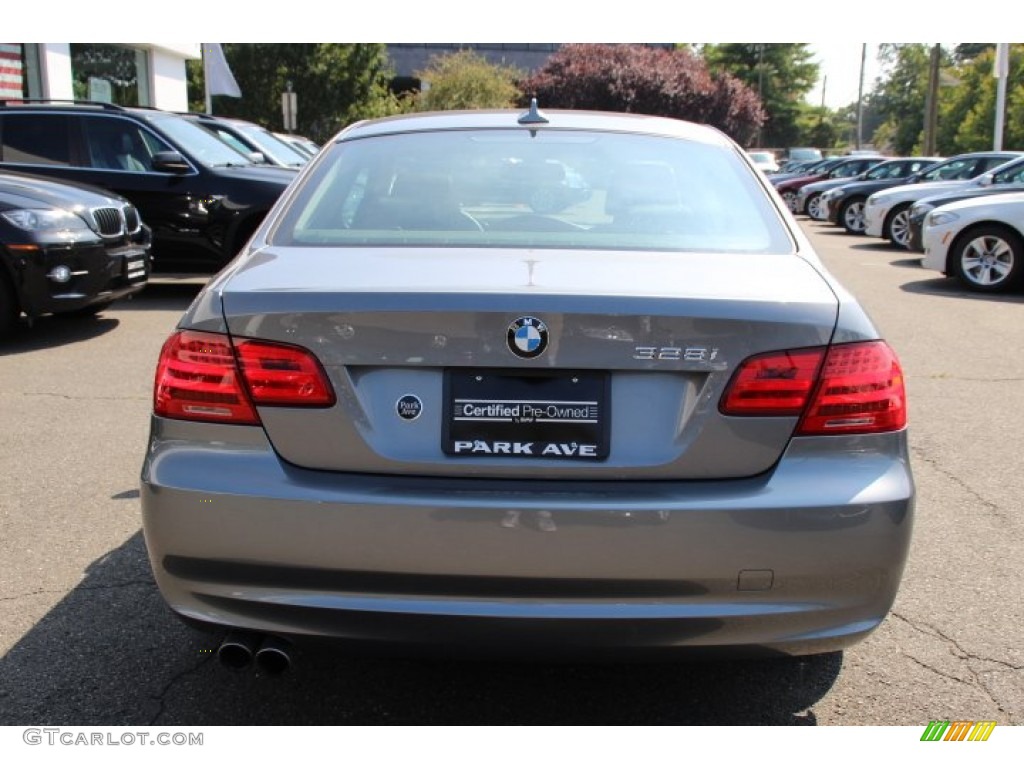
[
  {"x": 205, "y": 377},
  {"x": 842, "y": 389},
  {"x": 860, "y": 389}
]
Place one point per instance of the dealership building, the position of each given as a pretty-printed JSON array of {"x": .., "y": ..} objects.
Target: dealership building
[{"x": 130, "y": 74}]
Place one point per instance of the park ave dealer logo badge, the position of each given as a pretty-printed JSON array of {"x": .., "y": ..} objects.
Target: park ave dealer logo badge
[{"x": 527, "y": 337}]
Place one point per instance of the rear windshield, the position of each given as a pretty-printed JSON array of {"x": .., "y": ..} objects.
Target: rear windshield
[{"x": 548, "y": 189}]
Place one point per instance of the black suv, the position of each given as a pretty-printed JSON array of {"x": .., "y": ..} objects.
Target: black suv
[
  {"x": 202, "y": 199},
  {"x": 66, "y": 248}
]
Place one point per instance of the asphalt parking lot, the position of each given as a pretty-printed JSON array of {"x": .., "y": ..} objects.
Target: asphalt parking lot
[{"x": 86, "y": 639}]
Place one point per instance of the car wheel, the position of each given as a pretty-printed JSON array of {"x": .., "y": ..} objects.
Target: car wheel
[
  {"x": 851, "y": 216},
  {"x": 814, "y": 207},
  {"x": 897, "y": 226},
  {"x": 988, "y": 258},
  {"x": 789, "y": 198}
]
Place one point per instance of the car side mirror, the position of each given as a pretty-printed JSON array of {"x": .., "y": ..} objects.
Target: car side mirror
[
  {"x": 986, "y": 180},
  {"x": 170, "y": 162},
  {"x": 257, "y": 157},
  {"x": 914, "y": 178}
]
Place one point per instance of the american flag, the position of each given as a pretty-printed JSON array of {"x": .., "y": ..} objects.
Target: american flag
[{"x": 11, "y": 78}]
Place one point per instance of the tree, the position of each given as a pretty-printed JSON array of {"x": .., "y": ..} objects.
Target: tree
[
  {"x": 466, "y": 80},
  {"x": 899, "y": 95},
  {"x": 780, "y": 73},
  {"x": 966, "y": 52},
  {"x": 336, "y": 84},
  {"x": 967, "y": 108},
  {"x": 818, "y": 127},
  {"x": 653, "y": 81}
]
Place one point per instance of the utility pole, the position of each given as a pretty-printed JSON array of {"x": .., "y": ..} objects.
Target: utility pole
[
  {"x": 760, "y": 83},
  {"x": 931, "y": 101},
  {"x": 860, "y": 95},
  {"x": 1001, "y": 70}
]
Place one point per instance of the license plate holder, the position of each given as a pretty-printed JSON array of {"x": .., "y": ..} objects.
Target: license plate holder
[{"x": 526, "y": 414}]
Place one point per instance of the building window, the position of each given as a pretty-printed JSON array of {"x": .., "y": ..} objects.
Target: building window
[
  {"x": 115, "y": 74},
  {"x": 19, "y": 71}
]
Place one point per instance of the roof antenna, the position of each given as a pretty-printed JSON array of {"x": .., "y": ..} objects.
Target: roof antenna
[{"x": 533, "y": 116}]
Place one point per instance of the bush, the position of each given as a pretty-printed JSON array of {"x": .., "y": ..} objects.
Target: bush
[
  {"x": 652, "y": 81},
  {"x": 466, "y": 80}
]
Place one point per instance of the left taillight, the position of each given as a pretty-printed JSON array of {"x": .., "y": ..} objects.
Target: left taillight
[{"x": 204, "y": 377}]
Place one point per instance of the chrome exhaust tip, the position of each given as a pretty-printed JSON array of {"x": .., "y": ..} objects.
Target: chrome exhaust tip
[
  {"x": 274, "y": 656},
  {"x": 237, "y": 649}
]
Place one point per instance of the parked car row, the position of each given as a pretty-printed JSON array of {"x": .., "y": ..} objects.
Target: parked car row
[
  {"x": 125, "y": 191},
  {"x": 965, "y": 214}
]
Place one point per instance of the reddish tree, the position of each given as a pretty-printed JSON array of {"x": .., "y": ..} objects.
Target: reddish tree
[{"x": 651, "y": 81}]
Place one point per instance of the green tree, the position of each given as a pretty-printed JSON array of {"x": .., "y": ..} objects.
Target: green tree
[
  {"x": 965, "y": 52},
  {"x": 899, "y": 95},
  {"x": 819, "y": 127},
  {"x": 335, "y": 83},
  {"x": 466, "y": 80},
  {"x": 967, "y": 108},
  {"x": 780, "y": 73}
]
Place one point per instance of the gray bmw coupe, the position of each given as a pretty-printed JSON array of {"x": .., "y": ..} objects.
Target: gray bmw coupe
[{"x": 560, "y": 383}]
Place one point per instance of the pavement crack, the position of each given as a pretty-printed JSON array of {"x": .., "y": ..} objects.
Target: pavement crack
[
  {"x": 939, "y": 672},
  {"x": 161, "y": 697},
  {"x": 976, "y": 379},
  {"x": 84, "y": 588},
  {"x": 920, "y": 455},
  {"x": 84, "y": 397},
  {"x": 960, "y": 653}
]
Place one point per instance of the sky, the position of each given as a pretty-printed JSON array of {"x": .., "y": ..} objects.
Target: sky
[{"x": 840, "y": 62}]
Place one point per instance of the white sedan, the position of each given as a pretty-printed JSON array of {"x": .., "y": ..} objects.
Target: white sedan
[{"x": 980, "y": 241}]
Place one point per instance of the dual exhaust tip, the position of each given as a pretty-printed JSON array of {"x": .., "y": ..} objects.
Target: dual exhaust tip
[{"x": 240, "y": 649}]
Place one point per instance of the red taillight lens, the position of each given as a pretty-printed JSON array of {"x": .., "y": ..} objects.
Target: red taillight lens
[
  {"x": 198, "y": 378},
  {"x": 773, "y": 384},
  {"x": 861, "y": 390},
  {"x": 278, "y": 374}
]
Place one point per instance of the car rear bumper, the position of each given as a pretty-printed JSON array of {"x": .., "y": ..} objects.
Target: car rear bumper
[{"x": 806, "y": 558}]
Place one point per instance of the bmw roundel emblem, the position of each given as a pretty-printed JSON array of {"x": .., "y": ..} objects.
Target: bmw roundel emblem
[{"x": 527, "y": 337}]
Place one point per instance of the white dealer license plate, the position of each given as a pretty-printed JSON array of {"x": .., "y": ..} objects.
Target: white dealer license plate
[{"x": 516, "y": 414}]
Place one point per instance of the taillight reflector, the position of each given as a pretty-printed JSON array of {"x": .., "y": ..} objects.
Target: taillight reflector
[
  {"x": 843, "y": 389},
  {"x": 202, "y": 377}
]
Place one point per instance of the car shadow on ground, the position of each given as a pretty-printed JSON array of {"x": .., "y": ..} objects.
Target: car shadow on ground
[
  {"x": 110, "y": 653},
  {"x": 951, "y": 288},
  {"x": 55, "y": 331},
  {"x": 827, "y": 230},
  {"x": 161, "y": 296},
  {"x": 877, "y": 244}
]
